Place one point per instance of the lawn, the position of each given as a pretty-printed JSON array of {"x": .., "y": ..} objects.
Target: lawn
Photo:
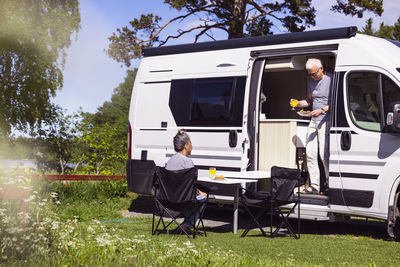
[{"x": 80, "y": 224}]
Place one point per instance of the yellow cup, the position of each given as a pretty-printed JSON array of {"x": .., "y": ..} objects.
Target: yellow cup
[
  {"x": 212, "y": 171},
  {"x": 294, "y": 103}
]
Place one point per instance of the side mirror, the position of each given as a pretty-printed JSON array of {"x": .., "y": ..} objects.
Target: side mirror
[{"x": 393, "y": 118}]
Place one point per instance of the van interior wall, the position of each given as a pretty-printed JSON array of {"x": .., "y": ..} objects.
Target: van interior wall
[{"x": 279, "y": 87}]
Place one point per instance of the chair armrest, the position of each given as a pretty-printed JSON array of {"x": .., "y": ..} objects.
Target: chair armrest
[
  {"x": 204, "y": 188},
  {"x": 261, "y": 195}
]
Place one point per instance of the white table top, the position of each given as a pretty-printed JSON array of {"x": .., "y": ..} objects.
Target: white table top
[
  {"x": 225, "y": 180},
  {"x": 246, "y": 174}
]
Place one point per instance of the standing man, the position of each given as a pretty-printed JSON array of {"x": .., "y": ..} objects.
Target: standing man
[{"x": 319, "y": 96}]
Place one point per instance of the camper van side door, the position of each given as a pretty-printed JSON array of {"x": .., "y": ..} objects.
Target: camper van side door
[{"x": 367, "y": 154}]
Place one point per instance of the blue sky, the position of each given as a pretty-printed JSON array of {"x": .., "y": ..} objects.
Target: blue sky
[{"x": 90, "y": 76}]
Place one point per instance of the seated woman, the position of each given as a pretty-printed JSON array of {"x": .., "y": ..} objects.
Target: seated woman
[{"x": 180, "y": 161}]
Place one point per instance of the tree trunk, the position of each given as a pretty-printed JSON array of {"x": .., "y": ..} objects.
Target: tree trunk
[
  {"x": 60, "y": 157},
  {"x": 98, "y": 165},
  {"x": 62, "y": 166},
  {"x": 238, "y": 18},
  {"x": 79, "y": 163}
]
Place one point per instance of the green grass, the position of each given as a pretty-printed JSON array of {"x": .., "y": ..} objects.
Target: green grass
[
  {"x": 226, "y": 249},
  {"x": 93, "y": 233}
]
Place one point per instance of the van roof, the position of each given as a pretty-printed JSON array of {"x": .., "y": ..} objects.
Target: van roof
[{"x": 308, "y": 36}]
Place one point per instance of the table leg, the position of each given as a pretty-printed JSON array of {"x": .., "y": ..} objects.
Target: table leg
[{"x": 235, "y": 209}]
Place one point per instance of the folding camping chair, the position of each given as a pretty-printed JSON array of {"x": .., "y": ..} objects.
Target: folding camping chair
[
  {"x": 140, "y": 176},
  {"x": 283, "y": 184},
  {"x": 175, "y": 195}
]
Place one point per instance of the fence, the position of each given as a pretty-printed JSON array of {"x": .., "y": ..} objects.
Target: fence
[{"x": 79, "y": 177}]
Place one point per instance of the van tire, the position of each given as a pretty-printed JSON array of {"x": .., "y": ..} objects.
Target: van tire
[{"x": 396, "y": 228}]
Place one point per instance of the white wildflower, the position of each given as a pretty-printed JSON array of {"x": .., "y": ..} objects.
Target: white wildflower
[
  {"x": 188, "y": 244},
  {"x": 30, "y": 198},
  {"x": 102, "y": 241},
  {"x": 55, "y": 225},
  {"x": 71, "y": 244}
]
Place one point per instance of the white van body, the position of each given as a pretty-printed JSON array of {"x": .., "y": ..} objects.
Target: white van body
[{"x": 213, "y": 91}]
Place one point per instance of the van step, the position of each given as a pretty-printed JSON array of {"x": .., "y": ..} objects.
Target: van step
[
  {"x": 310, "y": 217},
  {"x": 321, "y": 200}
]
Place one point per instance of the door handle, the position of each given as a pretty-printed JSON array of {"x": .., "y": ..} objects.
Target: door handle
[
  {"x": 243, "y": 144},
  {"x": 233, "y": 138},
  {"x": 345, "y": 140}
]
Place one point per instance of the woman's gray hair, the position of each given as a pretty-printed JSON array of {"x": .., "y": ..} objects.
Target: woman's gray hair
[
  {"x": 180, "y": 140},
  {"x": 313, "y": 62}
]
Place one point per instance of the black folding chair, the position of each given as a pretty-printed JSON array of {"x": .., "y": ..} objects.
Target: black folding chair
[
  {"x": 175, "y": 195},
  {"x": 283, "y": 184},
  {"x": 140, "y": 176}
]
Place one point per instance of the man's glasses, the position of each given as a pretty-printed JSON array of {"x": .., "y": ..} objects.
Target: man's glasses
[{"x": 314, "y": 74}]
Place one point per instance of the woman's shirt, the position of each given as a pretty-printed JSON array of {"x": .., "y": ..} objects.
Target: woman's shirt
[{"x": 179, "y": 162}]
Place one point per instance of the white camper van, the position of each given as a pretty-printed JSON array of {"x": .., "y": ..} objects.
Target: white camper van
[{"x": 215, "y": 91}]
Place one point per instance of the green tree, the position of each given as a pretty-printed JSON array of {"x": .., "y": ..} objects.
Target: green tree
[
  {"x": 56, "y": 141},
  {"x": 384, "y": 31},
  {"x": 34, "y": 36},
  {"x": 98, "y": 140},
  {"x": 238, "y": 18},
  {"x": 115, "y": 113}
]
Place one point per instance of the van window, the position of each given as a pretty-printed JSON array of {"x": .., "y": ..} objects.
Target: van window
[
  {"x": 208, "y": 101},
  {"x": 212, "y": 100},
  {"x": 391, "y": 92},
  {"x": 364, "y": 99}
]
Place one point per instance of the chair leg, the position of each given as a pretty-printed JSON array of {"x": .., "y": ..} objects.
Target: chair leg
[
  {"x": 152, "y": 225},
  {"x": 201, "y": 218},
  {"x": 255, "y": 220},
  {"x": 160, "y": 220},
  {"x": 285, "y": 222},
  {"x": 176, "y": 222},
  {"x": 298, "y": 211},
  {"x": 158, "y": 224},
  {"x": 298, "y": 217},
  {"x": 202, "y": 226},
  {"x": 270, "y": 218},
  {"x": 165, "y": 210}
]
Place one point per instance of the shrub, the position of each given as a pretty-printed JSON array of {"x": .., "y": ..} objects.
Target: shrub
[
  {"x": 86, "y": 190},
  {"x": 24, "y": 233}
]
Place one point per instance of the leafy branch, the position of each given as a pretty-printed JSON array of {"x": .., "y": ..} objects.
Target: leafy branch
[{"x": 238, "y": 18}]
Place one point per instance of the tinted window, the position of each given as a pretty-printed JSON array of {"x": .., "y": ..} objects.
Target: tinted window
[
  {"x": 339, "y": 119},
  {"x": 212, "y": 100},
  {"x": 391, "y": 93},
  {"x": 363, "y": 96},
  {"x": 397, "y": 43},
  {"x": 208, "y": 102}
]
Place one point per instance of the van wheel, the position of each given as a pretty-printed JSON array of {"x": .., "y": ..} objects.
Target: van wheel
[{"x": 396, "y": 228}]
